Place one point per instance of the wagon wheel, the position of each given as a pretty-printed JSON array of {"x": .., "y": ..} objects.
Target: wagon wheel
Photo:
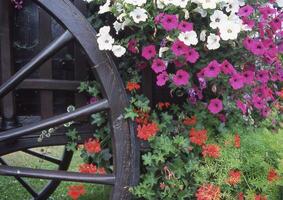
[{"x": 125, "y": 152}]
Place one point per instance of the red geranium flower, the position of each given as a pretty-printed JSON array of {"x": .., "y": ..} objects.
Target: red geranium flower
[
  {"x": 272, "y": 175},
  {"x": 260, "y": 197},
  {"x": 237, "y": 141},
  {"x": 211, "y": 150},
  {"x": 76, "y": 191},
  {"x": 91, "y": 169},
  {"x": 208, "y": 192},
  {"x": 234, "y": 177},
  {"x": 142, "y": 118},
  {"x": 198, "y": 137},
  {"x": 92, "y": 146},
  {"x": 240, "y": 196},
  {"x": 190, "y": 121},
  {"x": 131, "y": 86},
  {"x": 147, "y": 131},
  {"x": 162, "y": 105}
]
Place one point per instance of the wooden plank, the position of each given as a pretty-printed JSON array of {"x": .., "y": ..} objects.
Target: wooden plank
[{"x": 49, "y": 85}]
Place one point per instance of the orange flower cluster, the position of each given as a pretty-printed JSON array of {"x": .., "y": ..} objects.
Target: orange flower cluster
[
  {"x": 208, "y": 192},
  {"x": 272, "y": 175},
  {"x": 76, "y": 191},
  {"x": 163, "y": 105},
  {"x": 260, "y": 197},
  {"x": 143, "y": 117},
  {"x": 147, "y": 130},
  {"x": 91, "y": 169},
  {"x": 237, "y": 141},
  {"x": 190, "y": 121},
  {"x": 92, "y": 146},
  {"x": 198, "y": 137},
  {"x": 211, "y": 150},
  {"x": 131, "y": 86},
  {"x": 234, "y": 177}
]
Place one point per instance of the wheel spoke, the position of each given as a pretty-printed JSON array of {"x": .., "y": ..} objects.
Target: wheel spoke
[
  {"x": 54, "y": 121},
  {"x": 42, "y": 156},
  {"x": 57, "y": 175},
  {"x": 22, "y": 181},
  {"x": 38, "y": 60}
]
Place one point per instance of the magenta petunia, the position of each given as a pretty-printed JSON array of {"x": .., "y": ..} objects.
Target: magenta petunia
[
  {"x": 179, "y": 48},
  {"x": 192, "y": 55},
  {"x": 148, "y": 52},
  {"x": 248, "y": 77},
  {"x": 262, "y": 76},
  {"x": 162, "y": 78},
  {"x": 258, "y": 102},
  {"x": 245, "y": 11},
  {"x": 276, "y": 24},
  {"x": 271, "y": 48},
  {"x": 212, "y": 70},
  {"x": 169, "y": 22},
  {"x": 227, "y": 68},
  {"x": 257, "y": 48},
  {"x": 215, "y": 106},
  {"x": 236, "y": 81},
  {"x": 265, "y": 112},
  {"x": 158, "y": 65},
  {"x": 132, "y": 46},
  {"x": 249, "y": 22},
  {"x": 241, "y": 106},
  {"x": 248, "y": 43},
  {"x": 266, "y": 11},
  {"x": 185, "y": 26},
  {"x": 158, "y": 18},
  {"x": 181, "y": 78}
]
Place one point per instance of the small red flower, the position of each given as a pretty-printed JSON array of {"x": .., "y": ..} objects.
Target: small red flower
[
  {"x": 198, "y": 137},
  {"x": 237, "y": 141},
  {"x": 92, "y": 146},
  {"x": 76, "y": 191},
  {"x": 147, "y": 131},
  {"x": 190, "y": 121},
  {"x": 240, "y": 196},
  {"x": 208, "y": 192},
  {"x": 91, "y": 169},
  {"x": 162, "y": 105},
  {"x": 234, "y": 177},
  {"x": 211, "y": 150},
  {"x": 260, "y": 197},
  {"x": 131, "y": 86},
  {"x": 272, "y": 175},
  {"x": 142, "y": 118}
]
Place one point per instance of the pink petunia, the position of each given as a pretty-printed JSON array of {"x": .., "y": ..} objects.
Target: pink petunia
[
  {"x": 258, "y": 102},
  {"x": 241, "y": 106},
  {"x": 179, "y": 48},
  {"x": 169, "y": 22},
  {"x": 162, "y": 79},
  {"x": 158, "y": 18},
  {"x": 236, "y": 81},
  {"x": 265, "y": 112},
  {"x": 249, "y": 22},
  {"x": 248, "y": 43},
  {"x": 212, "y": 70},
  {"x": 276, "y": 24},
  {"x": 262, "y": 76},
  {"x": 192, "y": 55},
  {"x": 248, "y": 77},
  {"x": 132, "y": 46},
  {"x": 148, "y": 52},
  {"x": 257, "y": 48},
  {"x": 185, "y": 26},
  {"x": 215, "y": 106},
  {"x": 245, "y": 11},
  {"x": 181, "y": 78},
  {"x": 158, "y": 65},
  {"x": 227, "y": 68}
]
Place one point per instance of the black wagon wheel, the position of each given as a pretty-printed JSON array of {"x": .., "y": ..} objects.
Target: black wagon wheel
[{"x": 125, "y": 151}]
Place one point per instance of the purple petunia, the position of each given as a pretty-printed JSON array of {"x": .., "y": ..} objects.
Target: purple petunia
[
  {"x": 191, "y": 55},
  {"x": 236, "y": 81},
  {"x": 162, "y": 78},
  {"x": 148, "y": 52},
  {"x": 158, "y": 65},
  {"x": 181, "y": 78},
  {"x": 212, "y": 70},
  {"x": 169, "y": 22},
  {"x": 215, "y": 106}
]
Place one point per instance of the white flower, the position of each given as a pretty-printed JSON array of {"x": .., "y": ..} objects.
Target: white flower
[
  {"x": 118, "y": 50},
  {"x": 201, "y": 11},
  {"x": 135, "y": 2},
  {"x": 105, "y": 42},
  {"x": 217, "y": 18},
  {"x": 187, "y": 14},
  {"x": 208, "y": 4},
  {"x": 213, "y": 42},
  {"x": 189, "y": 38},
  {"x": 160, "y": 4},
  {"x": 229, "y": 30},
  {"x": 118, "y": 26},
  {"x": 202, "y": 36},
  {"x": 139, "y": 15},
  {"x": 280, "y": 3},
  {"x": 105, "y": 8},
  {"x": 182, "y": 3},
  {"x": 105, "y": 30},
  {"x": 88, "y": 1},
  {"x": 233, "y": 6},
  {"x": 162, "y": 50}
]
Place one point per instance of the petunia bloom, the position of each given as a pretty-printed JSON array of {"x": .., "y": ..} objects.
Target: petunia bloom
[
  {"x": 169, "y": 22},
  {"x": 215, "y": 106},
  {"x": 181, "y": 78},
  {"x": 158, "y": 65},
  {"x": 236, "y": 81},
  {"x": 212, "y": 70},
  {"x": 191, "y": 55},
  {"x": 162, "y": 78},
  {"x": 148, "y": 52}
]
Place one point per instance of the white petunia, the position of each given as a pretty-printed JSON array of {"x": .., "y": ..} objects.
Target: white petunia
[
  {"x": 217, "y": 18},
  {"x": 139, "y": 15},
  {"x": 162, "y": 50},
  {"x": 229, "y": 30},
  {"x": 135, "y": 2},
  {"x": 202, "y": 35},
  {"x": 188, "y": 37},
  {"x": 201, "y": 11},
  {"x": 213, "y": 42},
  {"x": 105, "y": 42},
  {"x": 105, "y": 30},
  {"x": 182, "y": 3},
  {"x": 105, "y": 8},
  {"x": 118, "y": 50},
  {"x": 208, "y": 4},
  {"x": 280, "y": 3},
  {"x": 233, "y": 6}
]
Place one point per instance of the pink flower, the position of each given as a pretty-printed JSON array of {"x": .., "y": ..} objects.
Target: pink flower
[
  {"x": 245, "y": 11},
  {"x": 236, "y": 81},
  {"x": 248, "y": 43},
  {"x": 185, "y": 26},
  {"x": 158, "y": 65},
  {"x": 192, "y": 55},
  {"x": 212, "y": 70},
  {"x": 148, "y": 52},
  {"x": 257, "y": 48},
  {"x": 249, "y": 22},
  {"x": 181, "y": 77},
  {"x": 248, "y": 77},
  {"x": 262, "y": 76},
  {"x": 162, "y": 79},
  {"x": 266, "y": 11},
  {"x": 132, "y": 46},
  {"x": 158, "y": 18},
  {"x": 215, "y": 106},
  {"x": 265, "y": 112},
  {"x": 258, "y": 102},
  {"x": 241, "y": 106},
  {"x": 271, "y": 48},
  {"x": 179, "y": 48},
  {"x": 227, "y": 68},
  {"x": 169, "y": 22},
  {"x": 276, "y": 24}
]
